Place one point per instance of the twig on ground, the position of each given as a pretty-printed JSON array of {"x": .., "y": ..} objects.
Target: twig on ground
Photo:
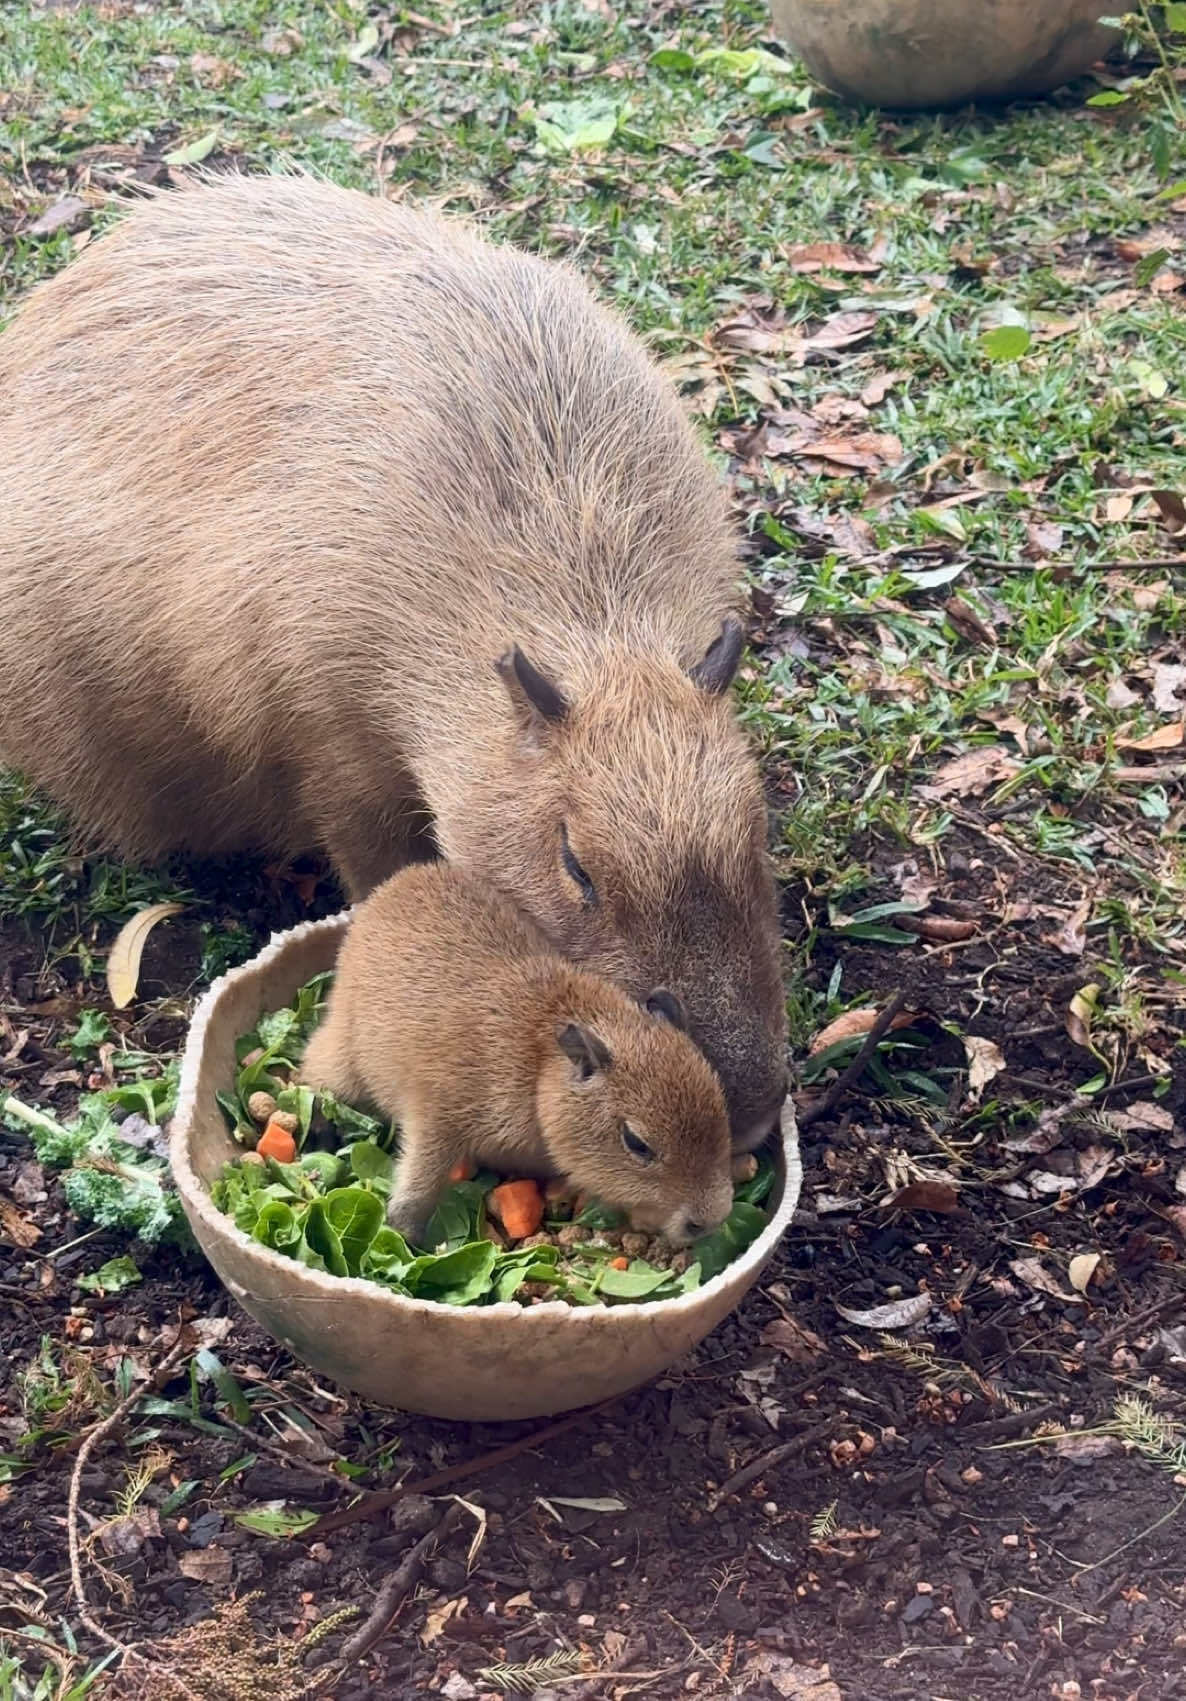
[
  {"x": 1012, "y": 1423},
  {"x": 90, "y": 1441},
  {"x": 395, "y": 1590},
  {"x": 766, "y": 1462},
  {"x": 813, "y": 1112},
  {"x": 284, "y": 1455},
  {"x": 372, "y": 1504}
]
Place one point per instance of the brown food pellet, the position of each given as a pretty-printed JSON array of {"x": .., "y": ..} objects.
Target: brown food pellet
[
  {"x": 286, "y": 1120},
  {"x": 260, "y": 1107},
  {"x": 572, "y": 1234}
]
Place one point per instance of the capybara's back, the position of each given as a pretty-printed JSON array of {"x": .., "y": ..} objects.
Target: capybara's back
[
  {"x": 276, "y": 459},
  {"x": 284, "y": 470}
]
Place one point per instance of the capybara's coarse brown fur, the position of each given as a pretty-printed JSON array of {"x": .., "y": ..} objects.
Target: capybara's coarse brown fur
[
  {"x": 451, "y": 1014},
  {"x": 284, "y": 471}
]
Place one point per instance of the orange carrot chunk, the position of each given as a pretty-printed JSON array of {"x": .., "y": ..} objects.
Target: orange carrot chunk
[
  {"x": 519, "y": 1207},
  {"x": 622, "y": 1263},
  {"x": 276, "y": 1142},
  {"x": 462, "y": 1170}
]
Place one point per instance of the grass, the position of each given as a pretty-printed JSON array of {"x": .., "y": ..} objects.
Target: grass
[{"x": 714, "y": 171}]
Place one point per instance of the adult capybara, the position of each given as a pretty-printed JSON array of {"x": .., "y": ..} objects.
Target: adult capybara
[{"x": 327, "y": 523}]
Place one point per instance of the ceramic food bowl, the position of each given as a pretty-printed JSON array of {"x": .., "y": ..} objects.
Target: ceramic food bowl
[
  {"x": 486, "y": 1362},
  {"x": 941, "y": 53}
]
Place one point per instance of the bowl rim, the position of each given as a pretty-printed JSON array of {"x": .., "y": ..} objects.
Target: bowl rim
[{"x": 195, "y": 1195}]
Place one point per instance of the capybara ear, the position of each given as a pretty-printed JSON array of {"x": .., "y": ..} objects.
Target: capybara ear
[
  {"x": 584, "y": 1049},
  {"x": 667, "y": 1007},
  {"x": 539, "y": 704},
  {"x": 715, "y": 671}
]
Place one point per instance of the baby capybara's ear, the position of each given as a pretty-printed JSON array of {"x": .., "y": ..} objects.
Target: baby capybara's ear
[{"x": 588, "y": 1054}]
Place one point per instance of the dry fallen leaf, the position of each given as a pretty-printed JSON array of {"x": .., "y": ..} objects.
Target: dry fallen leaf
[
  {"x": 793, "y": 1340},
  {"x": 790, "y": 1680},
  {"x": 972, "y": 773},
  {"x": 1172, "y": 509},
  {"x": 15, "y": 1226},
  {"x": 123, "y": 962},
  {"x": 938, "y": 1196},
  {"x": 1071, "y": 938},
  {"x": 1081, "y": 1269},
  {"x": 1119, "y": 695},
  {"x": 862, "y": 451},
  {"x": 985, "y": 1061},
  {"x": 842, "y": 330},
  {"x": 436, "y": 1618},
  {"x": 1166, "y": 737},
  {"x": 1118, "y": 508},
  {"x": 1144, "y": 1115},
  {"x": 1168, "y": 680},
  {"x": 830, "y": 256},
  {"x": 210, "y": 1565},
  {"x": 1030, "y": 1271},
  {"x": 1086, "y": 1449},
  {"x": 852, "y": 1023},
  {"x": 968, "y": 623},
  {"x": 1080, "y": 1012},
  {"x": 879, "y": 387},
  {"x": 898, "y": 1314}
]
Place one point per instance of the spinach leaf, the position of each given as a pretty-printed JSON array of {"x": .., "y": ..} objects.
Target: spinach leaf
[
  {"x": 455, "y": 1278},
  {"x": 370, "y": 1164},
  {"x": 277, "y": 1226},
  {"x": 740, "y": 1229},
  {"x": 355, "y": 1216},
  {"x": 320, "y": 1245},
  {"x": 757, "y": 1189}
]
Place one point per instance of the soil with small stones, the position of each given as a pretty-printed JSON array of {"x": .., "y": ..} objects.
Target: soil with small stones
[{"x": 929, "y": 1534}]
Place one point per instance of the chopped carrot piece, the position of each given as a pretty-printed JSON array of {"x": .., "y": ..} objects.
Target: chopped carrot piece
[
  {"x": 276, "y": 1142},
  {"x": 462, "y": 1170},
  {"x": 519, "y": 1207},
  {"x": 622, "y": 1263}
]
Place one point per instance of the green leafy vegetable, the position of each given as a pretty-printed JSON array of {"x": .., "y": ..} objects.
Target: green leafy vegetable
[{"x": 112, "y": 1277}]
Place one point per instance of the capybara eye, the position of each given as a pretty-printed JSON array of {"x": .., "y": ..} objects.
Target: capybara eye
[
  {"x": 636, "y": 1145},
  {"x": 575, "y": 871}
]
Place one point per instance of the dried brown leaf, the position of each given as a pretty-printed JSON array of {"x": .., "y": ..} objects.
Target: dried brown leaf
[
  {"x": 879, "y": 386},
  {"x": 1071, "y": 937},
  {"x": 1172, "y": 509},
  {"x": 1081, "y": 1269},
  {"x": 968, "y": 623},
  {"x": 793, "y": 1340},
  {"x": 16, "y": 1227},
  {"x": 210, "y": 1565},
  {"x": 1031, "y": 1272},
  {"x": 1080, "y": 1013},
  {"x": 1166, "y": 737},
  {"x": 938, "y": 1196},
  {"x": 842, "y": 330},
  {"x": 1118, "y": 508},
  {"x": 862, "y": 451},
  {"x": 898, "y": 1314},
  {"x": 852, "y": 1023},
  {"x": 1087, "y": 1449},
  {"x": 985, "y": 1062},
  {"x": 972, "y": 774},
  {"x": 830, "y": 256},
  {"x": 789, "y": 1679},
  {"x": 1168, "y": 680}
]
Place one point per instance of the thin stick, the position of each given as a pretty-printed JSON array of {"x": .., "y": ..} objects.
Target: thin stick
[
  {"x": 372, "y": 1504},
  {"x": 90, "y": 1441},
  {"x": 813, "y": 1112},
  {"x": 395, "y": 1590},
  {"x": 766, "y": 1462}
]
